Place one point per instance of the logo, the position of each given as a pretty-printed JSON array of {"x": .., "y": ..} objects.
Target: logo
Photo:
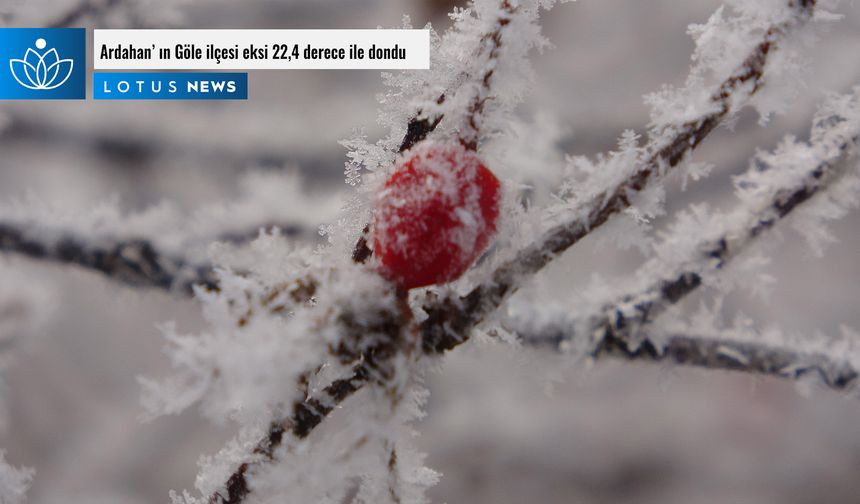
[
  {"x": 170, "y": 86},
  {"x": 41, "y": 71},
  {"x": 42, "y": 63}
]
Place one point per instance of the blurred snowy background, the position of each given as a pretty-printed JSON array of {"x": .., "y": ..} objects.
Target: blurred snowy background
[{"x": 504, "y": 425}]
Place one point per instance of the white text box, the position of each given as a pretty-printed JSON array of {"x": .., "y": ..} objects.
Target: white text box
[{"x": 260, "y": 49}]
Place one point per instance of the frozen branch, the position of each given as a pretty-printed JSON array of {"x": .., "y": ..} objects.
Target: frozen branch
[
  {"x": 306, "y": 416},
  {"x": 721, "y": 353},
  {"x": 487, "y": 54},
  {"x": 158, "y": 246},
  {"x": 492, "y": 43},
  {"x": 450, "y": 319},
  {"x": 376, "y": 365},
  {"x": 135, "y": 262},
  {"x": 776, "y": 186}
]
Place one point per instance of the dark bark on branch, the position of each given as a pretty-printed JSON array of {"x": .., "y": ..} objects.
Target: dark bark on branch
[
  {"x": 720, "y": 353},
  {"x": 418, "y": 129},
  {"x": 745, "y": 357},
  {"x": 620, "y": 330},
  {"x": 471, "y": 133},
  {"x": 624, "y": 320},
  {"x": 306, "y": 416},
  {"x": 393, "y": 335},
  {"x": 134, "y": 262},
  {"x": 450, "y": 319}
]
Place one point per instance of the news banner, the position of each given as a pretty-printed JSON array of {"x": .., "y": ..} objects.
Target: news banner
[{"x": 178, "y": 64}]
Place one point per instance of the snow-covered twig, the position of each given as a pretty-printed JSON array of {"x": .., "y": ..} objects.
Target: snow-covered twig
[
  {"x": 134, "y": 262},
  {"x": 450, "y": 318},
  {"x": 376, "y": 365},
  {"x": 470, "y": 133},
  {"x": 776, "y": 185},
  {"x": 306, "y": 416},
  {"x": 163, "y": 246},
  {"x": 479, "y": 77},
  {"x": 722, "y": 353}
]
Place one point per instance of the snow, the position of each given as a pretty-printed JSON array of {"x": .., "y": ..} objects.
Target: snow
[{"x": 13, "y": 482}]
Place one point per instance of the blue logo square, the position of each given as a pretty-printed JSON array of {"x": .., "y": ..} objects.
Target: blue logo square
[{"x": 43, "y": 63}]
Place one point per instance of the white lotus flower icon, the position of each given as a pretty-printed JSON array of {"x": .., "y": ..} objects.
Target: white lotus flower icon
[{"x": 41, "y": 71}]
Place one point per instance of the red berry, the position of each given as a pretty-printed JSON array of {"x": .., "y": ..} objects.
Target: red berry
[{"x": 435, "y": 215}]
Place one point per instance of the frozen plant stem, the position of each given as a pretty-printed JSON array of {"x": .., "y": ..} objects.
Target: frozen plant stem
[
  {"x": 395, "y": 331},
  {"x": 470, "y": 133},
  {"x": 619, "y": 331},
  {"x": 750, "y": 358},
  {"x": 136, "y": 262},
  {"x": 306, "y": 416},
  {"x": 450, "y": 319},
  {"x": 490, "y": 43},
  {"x": 133, "y": 262}
]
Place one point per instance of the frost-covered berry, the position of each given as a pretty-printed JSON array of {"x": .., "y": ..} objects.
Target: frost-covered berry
[{"x": 435, "y": 215}]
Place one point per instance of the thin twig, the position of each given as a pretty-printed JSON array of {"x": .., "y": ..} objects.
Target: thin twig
[
  {"x": 306, "y": 416},
  {"x": 393, "y": 332},
  {"x": 624, "y": 319},
  {"x": 726, "y": 354},
  {"x": 451, "y": 318},
  {"x": 620, "y": 329},
  {"x": 471, "y": 133},
  {"x": 134, "y": 262}
]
